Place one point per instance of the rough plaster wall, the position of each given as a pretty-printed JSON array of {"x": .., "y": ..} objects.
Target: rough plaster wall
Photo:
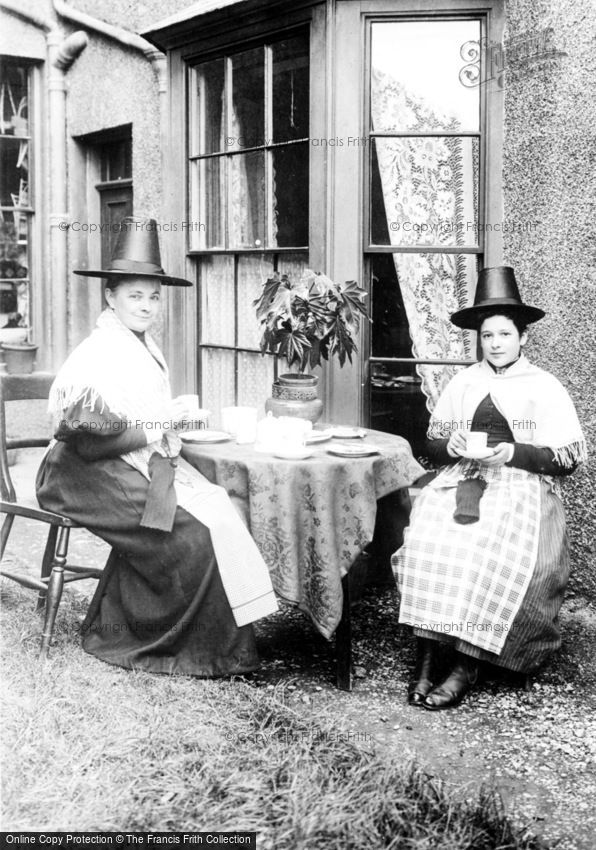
[
  {"x": 549, "y": 178},
  {"x": 136, "y": 15},
  {"x": 111, "y": 86}
]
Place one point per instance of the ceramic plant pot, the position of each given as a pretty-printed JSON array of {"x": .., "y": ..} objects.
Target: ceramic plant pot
[{"x": 295, "y": 395}]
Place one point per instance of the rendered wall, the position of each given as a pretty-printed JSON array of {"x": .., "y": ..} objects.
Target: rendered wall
[{"x": 549, "y": 181}]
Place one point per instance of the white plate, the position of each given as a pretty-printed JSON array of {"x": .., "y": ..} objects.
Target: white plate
[
  {"x": 345, "y": 433},
  {"x": 480, "y": 455},
  {"x": 205, "y": 436},
  {"x": 319, "y": 436},
  {"x": 353, "y": 451},
  {"x": 299, "y": 453}
]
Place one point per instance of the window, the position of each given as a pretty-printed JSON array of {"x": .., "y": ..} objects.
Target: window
[
  {"x": 16, "y": 209},
  {"x": 113, "y": 152},
  {"x": 425, "y": 204},
  {"x": 249, "y": 205}
]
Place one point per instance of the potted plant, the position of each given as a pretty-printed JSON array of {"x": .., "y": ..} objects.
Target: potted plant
[{"x": 304, "y": 322}]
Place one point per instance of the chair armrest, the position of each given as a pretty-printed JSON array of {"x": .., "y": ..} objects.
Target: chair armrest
[{"x": 37, "y": 513}]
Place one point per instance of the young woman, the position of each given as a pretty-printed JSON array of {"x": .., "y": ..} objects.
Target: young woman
[
  {"x": 184, "y": 579},
  {"x": 485, "y": 562}
]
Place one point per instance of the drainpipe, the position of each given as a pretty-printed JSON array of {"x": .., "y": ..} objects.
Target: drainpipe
[{"x": 61, "y": 54}]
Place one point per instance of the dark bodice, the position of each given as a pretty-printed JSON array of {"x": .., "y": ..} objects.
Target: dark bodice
[{"x": 489, "y": 420}]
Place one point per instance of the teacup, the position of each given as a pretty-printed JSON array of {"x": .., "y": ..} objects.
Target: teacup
[
  {"x": 196, "y": 417},
  {"x": 476, "y": 441},
  {"x": 241, "y": 422}
]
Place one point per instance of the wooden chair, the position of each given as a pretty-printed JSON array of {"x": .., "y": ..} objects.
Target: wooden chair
[{"x": 54, "y": 561}]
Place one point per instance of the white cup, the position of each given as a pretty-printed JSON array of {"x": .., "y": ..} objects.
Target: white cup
[
  {"x": 241, "y": 422},
  {"x": 476, "y": 441},
  {"x": 294, "y": 430}
]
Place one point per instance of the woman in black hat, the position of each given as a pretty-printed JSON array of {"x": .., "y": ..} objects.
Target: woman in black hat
[
  {"x": 485, "y": 563},
  {"x": 184, "y": 579}
]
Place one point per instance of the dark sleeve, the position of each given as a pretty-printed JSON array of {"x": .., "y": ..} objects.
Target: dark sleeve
[
  {"x": 539, "y": 460},
  {"x": 97, "y": 435},
  {"x": 436, "y": 452}
]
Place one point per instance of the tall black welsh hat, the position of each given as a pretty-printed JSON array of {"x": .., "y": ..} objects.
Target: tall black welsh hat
[
  {"x": 136, "y": 254},
  {"x": 496, "y": 287}
]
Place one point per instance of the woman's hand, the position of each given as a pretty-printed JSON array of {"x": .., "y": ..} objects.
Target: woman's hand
[
  {"x": 456, "y": 443},
  {"x": 503, "y": 452}
]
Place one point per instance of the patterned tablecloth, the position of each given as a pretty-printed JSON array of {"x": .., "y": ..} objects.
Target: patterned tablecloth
[{"x": 310, "y": 518}]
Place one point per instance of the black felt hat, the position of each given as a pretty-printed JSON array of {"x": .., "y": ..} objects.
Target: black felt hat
[
  {"x": 136, "y": 254},
  {"x": 496, "y": 287}
]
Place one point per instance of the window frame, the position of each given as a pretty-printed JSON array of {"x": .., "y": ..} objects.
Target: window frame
[
  {"x": 490, "y": 247},
  {"x": 269, "y": 35}
]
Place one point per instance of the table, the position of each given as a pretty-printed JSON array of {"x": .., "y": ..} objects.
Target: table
[{"x": 313, "y": 518}]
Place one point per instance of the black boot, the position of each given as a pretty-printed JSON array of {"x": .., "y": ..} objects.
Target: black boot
[
  {"x": 424, "y": 673},
  {"x": 457, "y": 684}
]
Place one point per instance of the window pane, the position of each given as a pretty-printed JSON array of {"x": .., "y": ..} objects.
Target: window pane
[
  {"x": 216, "y": 278},
  {"x": 207, "y": 108},
  {"x": 255, "y": 377},
  {"x": 217, "y": 382},
  {"x": 14, "y": 116},
  {"x": 253, "y": 271},
  {"x": 424, "y": 191},
  {"x": 290, "y": 100},
  {"x": 246, "y": 217},
  {"x": 290, "y": 196},
  {"x": 415, "y": 81},
  {"x": 14, "y": 271},
  {"x": 293, "y": 265},
  {"x": 413, "y": 296},
  {"x": 248, "y": 99},
  {"x": 116, "y": 160},
  {"x": 207, "y": 222},
  {"x": 14, "y": 172}
]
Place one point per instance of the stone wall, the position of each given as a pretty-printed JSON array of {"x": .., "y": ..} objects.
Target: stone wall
[{"x": 549, "y": 182}]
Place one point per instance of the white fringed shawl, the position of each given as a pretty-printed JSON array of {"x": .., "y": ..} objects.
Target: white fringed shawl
[
  {"x": 535, "y": 404},
  {"x": 113, "y": 369}
]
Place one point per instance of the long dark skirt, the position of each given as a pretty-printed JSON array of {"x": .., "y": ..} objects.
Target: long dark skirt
[{"x": 160, "y": 605}]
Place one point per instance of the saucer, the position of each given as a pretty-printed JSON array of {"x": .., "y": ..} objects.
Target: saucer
[
  {"x": 353, "y": 451},
  {"x": 318, "y": 436},
  {"x": 479, "y": 455},
  {"x": 204, "y": 435},
  {"x": 346, "y": 433}
]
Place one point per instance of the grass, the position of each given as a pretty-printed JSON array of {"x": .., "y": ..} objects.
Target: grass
[{"x": 92, "y": 747}]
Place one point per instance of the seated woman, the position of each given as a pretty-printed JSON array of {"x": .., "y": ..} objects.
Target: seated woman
[
  {"x": 485, "y": 560},
  {"x": 184, "y": 579}
]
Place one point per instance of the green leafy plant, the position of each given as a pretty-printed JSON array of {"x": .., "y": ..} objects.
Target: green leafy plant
[{"x": 310, "y": 319}]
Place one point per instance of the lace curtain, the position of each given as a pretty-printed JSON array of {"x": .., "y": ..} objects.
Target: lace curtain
[
  {"x": 247, "y": 217},
  {"x": 429, "y": 189}
]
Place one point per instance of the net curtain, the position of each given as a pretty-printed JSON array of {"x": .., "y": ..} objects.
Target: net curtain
[{"x": 429, "y": 187}]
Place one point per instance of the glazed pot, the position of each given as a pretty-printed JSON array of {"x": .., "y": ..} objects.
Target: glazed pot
[{"x": 295, "y": 395}]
